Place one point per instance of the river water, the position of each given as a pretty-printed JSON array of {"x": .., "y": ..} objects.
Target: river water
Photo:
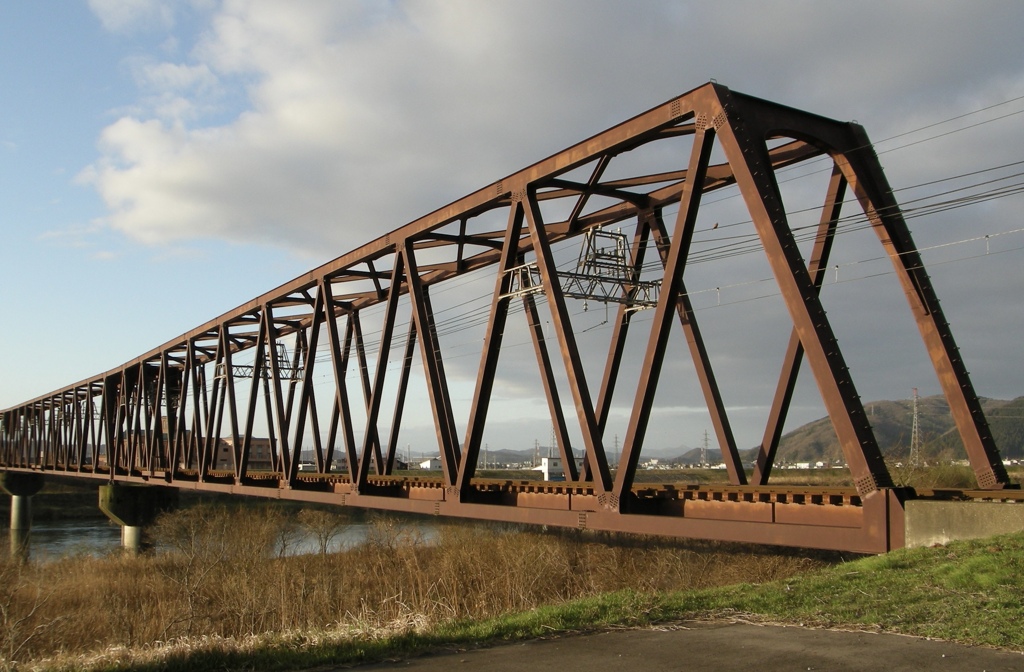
[{"x": 51, "y": 540}]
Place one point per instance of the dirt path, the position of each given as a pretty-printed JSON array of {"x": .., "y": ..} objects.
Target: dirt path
[{"x": 723, "y": 647}]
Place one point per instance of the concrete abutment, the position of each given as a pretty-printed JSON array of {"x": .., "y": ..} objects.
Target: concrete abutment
[{"x": 937, "y": 522}]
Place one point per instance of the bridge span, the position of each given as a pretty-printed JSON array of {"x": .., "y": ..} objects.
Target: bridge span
[{"x": 188, "y": 414}]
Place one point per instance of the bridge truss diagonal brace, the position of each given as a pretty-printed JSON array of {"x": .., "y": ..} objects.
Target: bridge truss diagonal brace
[
  {"x": 364, "y": 367},
  {"x": 794, "y": 350},
  {"x": 374, "y": 394},
  {"x": 864, "y": 173},
  {"x": 511, "y": 258},
  {"x": 672, "y": 285},
  {"x": 702, "y": 363},
  {"x": 560, "y": 320},
  {"x": 341, "y": 413},
  {"x": 743, "y": 140},
  {"x": 307, "y": 395},
  {"x": 491, "y": 350},
  {"x": 433, "y": 367}
]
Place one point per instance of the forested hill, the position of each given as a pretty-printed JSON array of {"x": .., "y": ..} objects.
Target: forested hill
[{"x": 892, "y": 422}]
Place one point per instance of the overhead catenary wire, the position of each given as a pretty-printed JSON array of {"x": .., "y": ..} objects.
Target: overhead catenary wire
[{"x": 749, "y": 243}]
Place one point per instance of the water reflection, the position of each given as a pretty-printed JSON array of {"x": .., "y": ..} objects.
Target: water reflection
[{"x": 52, "y": 540}]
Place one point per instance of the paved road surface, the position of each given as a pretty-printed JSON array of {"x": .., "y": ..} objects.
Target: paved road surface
[{"x": 722, "y": 647}]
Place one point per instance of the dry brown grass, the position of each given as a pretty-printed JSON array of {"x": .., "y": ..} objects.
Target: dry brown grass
[{"x": 224, "y": 572}]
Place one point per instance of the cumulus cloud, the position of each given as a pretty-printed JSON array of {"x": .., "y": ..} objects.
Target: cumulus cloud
[
  {"x": 127, "y": 15},
  {"x": 317, "y": 126},
  {"x": 355, "y": 118}
]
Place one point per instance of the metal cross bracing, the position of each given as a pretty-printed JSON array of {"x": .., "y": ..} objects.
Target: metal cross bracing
[{"x": 186, "y": 414}]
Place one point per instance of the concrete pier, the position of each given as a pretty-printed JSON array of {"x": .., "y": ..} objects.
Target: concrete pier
[
  {"x": 21, "y": 487},
  {"x": 133, "y": 507}
]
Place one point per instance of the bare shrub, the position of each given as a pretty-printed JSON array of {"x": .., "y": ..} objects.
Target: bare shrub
[
  {"x": 325, "y": 526},
  {"x": 223, "y": 572},
  {"x": 23, "y": 618}
]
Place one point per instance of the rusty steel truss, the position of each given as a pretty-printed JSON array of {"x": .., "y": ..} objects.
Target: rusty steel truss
[{"x": 185, "y": 414}]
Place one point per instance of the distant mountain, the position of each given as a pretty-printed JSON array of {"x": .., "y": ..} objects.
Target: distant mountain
[
  {"x": 816, "y": 441},
  {"x": 892, "y": 422},
  {"x": 1006, "y": 422},
  {"x": 692, "y": 456}
]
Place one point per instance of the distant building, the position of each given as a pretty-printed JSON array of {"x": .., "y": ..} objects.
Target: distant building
[
  {"x": 261, "y": 458},
  {"x": 433, "y": 463},
  {"x": 552, "y": 468}
]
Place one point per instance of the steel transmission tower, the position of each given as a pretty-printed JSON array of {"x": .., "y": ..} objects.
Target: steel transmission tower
[{"x": 915, "y": 437}]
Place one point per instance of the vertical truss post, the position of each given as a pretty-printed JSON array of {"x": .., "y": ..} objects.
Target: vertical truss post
[
  {"x": 345, "y": 356},
  {"x": 322, "y": 465},
  {"x": 134, "y": 424},
  {"x": 134, "y": 410},
  {"x": 570, "y": 351},
  {"x": 200, "y": 411},
  {"x": 816, "y": 266},
  {"x": 743, "y": 140},
  {"x": 668, "y": 297},
  {"x": 72, "y": 449},
  {"x": 155, "y": 448},
  {"x": 48, "y": 447}
]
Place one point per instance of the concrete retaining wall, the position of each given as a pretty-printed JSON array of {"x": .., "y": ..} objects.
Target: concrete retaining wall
[{"x": 930, "y": 523}]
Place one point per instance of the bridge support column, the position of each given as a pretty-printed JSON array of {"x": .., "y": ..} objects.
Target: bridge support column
[
  {"x": 133, "y": 507},
  {"x": 20, "y": 487}
]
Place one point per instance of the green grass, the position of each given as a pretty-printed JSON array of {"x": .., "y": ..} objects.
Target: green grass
[{"x": 970, "y": 592}]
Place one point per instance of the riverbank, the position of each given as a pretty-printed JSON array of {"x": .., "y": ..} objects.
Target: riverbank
[
  {"x": 224, "y": 576},
  {"x": 966, "y": 592}
]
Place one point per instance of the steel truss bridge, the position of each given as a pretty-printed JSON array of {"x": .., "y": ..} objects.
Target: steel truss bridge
[{"x": 184, "y": 414}]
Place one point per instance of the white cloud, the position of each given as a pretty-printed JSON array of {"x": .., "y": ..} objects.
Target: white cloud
[
  {"x": 317, "y": 126},
  {"x": 127, "y": 15}
]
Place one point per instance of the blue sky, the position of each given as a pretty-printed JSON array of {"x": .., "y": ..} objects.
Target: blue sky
[{"x": 163, "y": 162}]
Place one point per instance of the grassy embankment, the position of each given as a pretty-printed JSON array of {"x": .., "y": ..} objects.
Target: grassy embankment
[
  {"x": 225, "y": 596},
  {"x": 474, "y": 587}
]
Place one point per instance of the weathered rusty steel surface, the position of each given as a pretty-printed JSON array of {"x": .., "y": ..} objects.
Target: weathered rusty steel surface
[{"x": 186, "y": 414}]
